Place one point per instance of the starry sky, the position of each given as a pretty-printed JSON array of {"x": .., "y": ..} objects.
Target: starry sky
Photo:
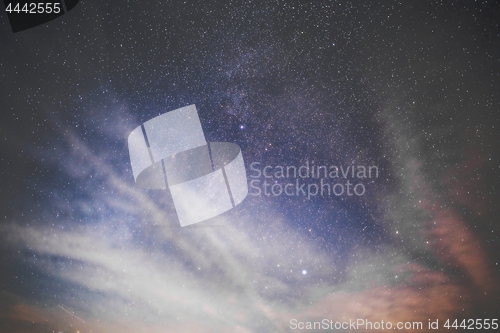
[{"x": 409, "y": 86}]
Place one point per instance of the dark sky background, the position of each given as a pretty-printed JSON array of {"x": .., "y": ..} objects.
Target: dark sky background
[{"x": 409, "y": 86}]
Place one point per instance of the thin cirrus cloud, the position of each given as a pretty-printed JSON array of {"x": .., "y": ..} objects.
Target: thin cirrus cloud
[
  {"x": 216, "y": 276},
  {"x": 127, "y": 268}
]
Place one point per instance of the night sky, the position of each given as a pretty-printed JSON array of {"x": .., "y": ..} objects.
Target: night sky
[{"x": 411, "y": 87}]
